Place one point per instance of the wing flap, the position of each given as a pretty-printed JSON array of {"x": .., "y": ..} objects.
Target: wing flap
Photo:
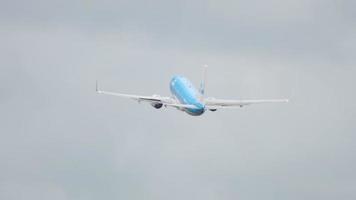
[
  {"x": 223, "y": 103},
  {"x": 139, "y": 97},
  {"x": 167, "y": 101}
]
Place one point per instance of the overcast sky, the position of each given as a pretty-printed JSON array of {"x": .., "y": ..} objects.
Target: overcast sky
[{"x": 62, "y": 141}]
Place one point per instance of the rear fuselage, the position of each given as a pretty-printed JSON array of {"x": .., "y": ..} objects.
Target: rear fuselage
[{"x": 184, "y": 91}]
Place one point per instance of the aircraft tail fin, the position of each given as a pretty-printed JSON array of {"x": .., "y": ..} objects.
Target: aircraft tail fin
[{"x": 202, "y": 84}]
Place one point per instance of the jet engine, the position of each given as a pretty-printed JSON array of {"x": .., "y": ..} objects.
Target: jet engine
[
  {"x": 157, "y": 105},
  {"x": 213, "y": 110}
]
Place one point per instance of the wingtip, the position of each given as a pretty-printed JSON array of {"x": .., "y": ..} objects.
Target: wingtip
[{"x": 97, "y": 87}]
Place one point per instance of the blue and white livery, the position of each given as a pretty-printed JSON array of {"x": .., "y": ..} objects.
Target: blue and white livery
[{"x": 187, "y": 98}]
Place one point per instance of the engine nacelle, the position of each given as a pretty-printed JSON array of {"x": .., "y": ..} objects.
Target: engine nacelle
[
  {"x": 213, "y": 110},
  {"x": 157, "y": 105}
]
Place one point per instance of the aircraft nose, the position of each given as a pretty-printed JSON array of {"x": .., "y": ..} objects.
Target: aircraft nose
[{"x": 174, "y": 79}]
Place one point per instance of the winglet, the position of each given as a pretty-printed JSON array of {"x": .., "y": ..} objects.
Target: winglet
[{"x": 97, "y": 87}]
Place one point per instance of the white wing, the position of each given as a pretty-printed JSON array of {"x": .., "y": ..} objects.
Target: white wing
[
  {"x": 212, "y": 103},
  {"x": 166, "y": 101}
]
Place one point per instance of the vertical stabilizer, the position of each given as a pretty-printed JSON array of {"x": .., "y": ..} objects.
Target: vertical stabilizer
[{"x": 202, "y": 84}]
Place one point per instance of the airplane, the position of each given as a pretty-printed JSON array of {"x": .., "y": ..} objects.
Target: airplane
[{"x": 186, "y": 98}]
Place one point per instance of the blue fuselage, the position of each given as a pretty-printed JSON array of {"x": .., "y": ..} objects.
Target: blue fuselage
[{"x": 186, "y": 93}]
